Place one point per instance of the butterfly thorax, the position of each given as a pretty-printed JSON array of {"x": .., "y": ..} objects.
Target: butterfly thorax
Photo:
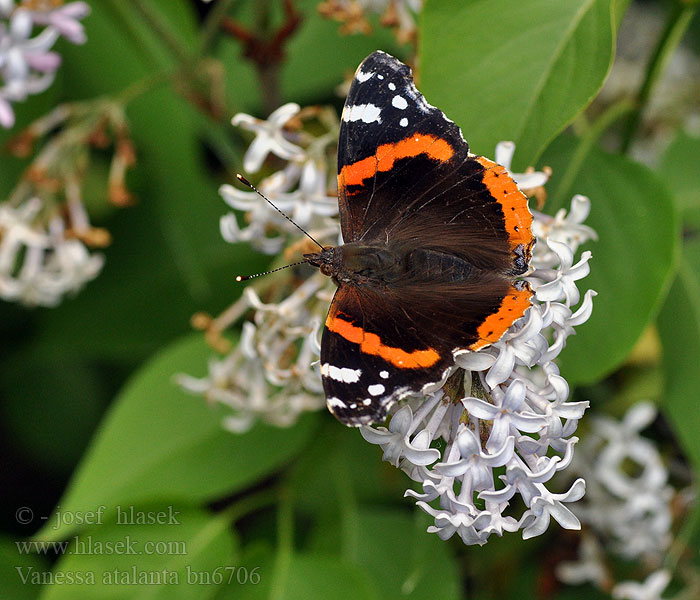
[{"x": 360, "y": 263}]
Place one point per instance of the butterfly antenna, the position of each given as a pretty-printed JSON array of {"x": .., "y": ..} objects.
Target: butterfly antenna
[
  {"x": 246, "y": 277},
  {"x": 244, "y": 181}
]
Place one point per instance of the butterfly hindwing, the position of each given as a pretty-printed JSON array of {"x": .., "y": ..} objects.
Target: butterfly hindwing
[
  {"x": 371, "y": 356},
  {"x": 381, "y": 344}
]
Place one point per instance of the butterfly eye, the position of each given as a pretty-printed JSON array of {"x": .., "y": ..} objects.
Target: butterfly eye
[{"x": 326, "y": 269}]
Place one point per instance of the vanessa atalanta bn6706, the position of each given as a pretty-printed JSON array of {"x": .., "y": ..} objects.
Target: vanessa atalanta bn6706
[{"x": 434, "y": 239}]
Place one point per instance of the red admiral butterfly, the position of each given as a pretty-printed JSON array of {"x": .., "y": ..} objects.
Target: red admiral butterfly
[{"x": 434, "y": 237}]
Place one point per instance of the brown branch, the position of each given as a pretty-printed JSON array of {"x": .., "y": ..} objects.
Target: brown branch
[
  {"x": 267, "y": 53},
  {"x": 264, "y": 51}
]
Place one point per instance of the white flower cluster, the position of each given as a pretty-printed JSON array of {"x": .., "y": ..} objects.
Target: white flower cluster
[
  {"x": 39, "y": 264},
  {"x": 307, "y": 170},
  {"x": 271, "y": 374},
  {"x": 628, "y": 504},
  {"x": 515, "y": 416},
  {"x": 27, "y": 63}
]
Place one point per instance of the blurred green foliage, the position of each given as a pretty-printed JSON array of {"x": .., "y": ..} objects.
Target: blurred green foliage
[{"x": 312, "y": 508}]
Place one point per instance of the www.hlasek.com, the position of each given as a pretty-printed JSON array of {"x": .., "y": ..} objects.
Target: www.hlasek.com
[
  {"x": 228, "y": 575},
  {"x": 86, "y": 545}
]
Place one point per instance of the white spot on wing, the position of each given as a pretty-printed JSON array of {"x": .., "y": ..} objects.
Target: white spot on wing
[
  {"x": 376, "y": 389},
  {"x": 399, "y": 102},
  {"x": 333, "y": 403},
  {"x": 380, "y": 76},
  {"x": 392, "y": 87},
  {"x": 344, "y": 374},
  {"x": 361, "y": 76},
  {"x": 367, "y": 401},
  {"x": 367, "y": 113},
  {"x": 384, "y": 374},
  {"x": 403, "y": 122}
]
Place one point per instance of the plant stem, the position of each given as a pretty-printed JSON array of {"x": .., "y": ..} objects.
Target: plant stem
[
  {"x": 347, "y": 504},
  {"x": 141, "y": 86},
  {"x": 285, "y": 536},
  {"x": 678, "y": 21},
  {"x": 212, "y": 24},
  {"x": 126, "y": 18},
  {"x": 586, "y": 144},
  {"x": 163, "y": 29},
  {"x": 252, "y": 503}
]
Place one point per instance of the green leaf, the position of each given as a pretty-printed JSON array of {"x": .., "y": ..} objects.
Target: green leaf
[
  {"x": 158, "y": 443},
  {"x": 619, "y": 8},
  {"x": 304, "y": 576},
  {"x": 680, "y": 168},
  {"x": 307, "y": 574},
  {"x": 679, "y": 329},
  {"x": 118, "y": 29},
  {"x": 390, "y": 556},
  {"x": 513, "y": 70},
  {"x": 349, "y": 470},
  {"x": 16, "y": 569},
  {"x": 63, "y": 391},
  {"x": 633, "y": 259},
  {"x": 171, "y": 559},
  {"x": 396, "y": 550}
]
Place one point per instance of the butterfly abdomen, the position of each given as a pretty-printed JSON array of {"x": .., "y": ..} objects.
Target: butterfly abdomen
[
  {"x": 438, "y": 266},
  {"x": 386, "y": 264}
]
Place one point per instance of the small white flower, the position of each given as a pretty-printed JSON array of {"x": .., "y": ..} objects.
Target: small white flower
[
  {"x": 65, "y": 19},
  {"x": 6, "y": 8},
  {"x": 560, "y": 284},
  {"x": 396, "y": 443},
  {"x": 27, "y": 64},
  {"x": 269, "y": 137},
  {"x": 563, "y": 227},
  {"x": 526, "y": 181},
  {"x": 650, "y": 589},
  {"x": 256, "y": 380},
  {"x": 474, "y": 467},
  {"x": 311, "y": 198},
  {"x": 589, "y": 568},
  {"x": 7, "y": 115},
  {"x": 535, "y": 521},
  {"x": 261, "y": 217},
  {"x": 629, "y": 508},
  {"x": 472, "y": 530},
  {"x": 39, "y": 266}
]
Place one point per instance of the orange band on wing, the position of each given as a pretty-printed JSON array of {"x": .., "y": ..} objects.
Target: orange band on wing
[
  {"x": 387, "y": 154},
  {"x": 513, "y": 202},
  {"x": 370, "y": 343},
  {"x": 512, "y": 308}
]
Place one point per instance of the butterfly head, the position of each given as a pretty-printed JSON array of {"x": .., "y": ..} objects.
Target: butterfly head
[{"x": 325, "y": 260}]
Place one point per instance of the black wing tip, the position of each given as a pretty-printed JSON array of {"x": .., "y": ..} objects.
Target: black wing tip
[
  {"x": 379, "y": 58},
  {"x": 359, "y": 416},
  {"x": 372, "y": 414}
]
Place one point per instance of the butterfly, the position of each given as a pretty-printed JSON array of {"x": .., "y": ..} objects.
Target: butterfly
[{"x": 434, "y": 240}]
